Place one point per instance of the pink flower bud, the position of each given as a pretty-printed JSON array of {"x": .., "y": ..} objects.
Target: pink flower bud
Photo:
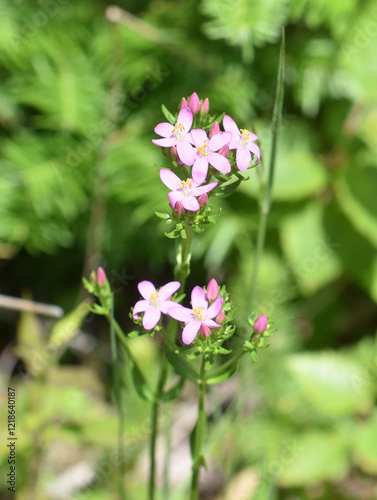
[
  {"x": 215, "y": 129},
  {"x": 205, "y": 107},
  {"x": 224, "y": 150},
  {"x": 203, "y": 199},
  {"x": 101, "y": 277},
  {"x": 220, "y": 318},
  {"x": 204, "y": 331},
  {"x": 179, "y": 208},
  {"x": 194, "y": 103},
  {"x": 174, "y": 153},
  {"x": 183, "y": 103},
  {"x": 261, "y": 324},
  {"x": 212, "y": 290}
]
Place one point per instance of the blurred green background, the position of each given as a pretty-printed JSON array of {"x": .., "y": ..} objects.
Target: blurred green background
[{"x": 80, "y": 92}]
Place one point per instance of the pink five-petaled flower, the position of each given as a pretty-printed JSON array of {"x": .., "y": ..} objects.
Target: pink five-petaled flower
[
  {"x": 242, "y": 141},
  {"x": 205, "y": 153},
  {"x": 199, "y": 315},
  {"x": 178, "y": 135},
  {"x": 184, "y": 191},
  {"x": 154, "y": 303}
]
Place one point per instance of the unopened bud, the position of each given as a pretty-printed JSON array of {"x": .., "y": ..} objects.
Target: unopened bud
[
  {"x": 205, "y": 107},
  {"x": 212, "y": 290},
  {"x": 174, "y": 153},
  {"x": 179, "y": 208},
  {"x": 203, "y": 199},
  {"x": 93, "y": 276},
  {"x": 194, "y": 103},
  {"x": 260, "y": 324},
  {"x": 224, "y": 150},
  {"x": 204, "y": 331},
  {"x": 101, "y": 277},
  {"x": 183, "y": 103},
  {"x": 215, "y": 129},
  {"x": 220, "y": 318}
]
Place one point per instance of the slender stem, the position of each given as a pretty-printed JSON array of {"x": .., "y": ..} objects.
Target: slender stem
[
  {"x": 199, "y": 436},
  {"x": 182, "y": 269},
  {"x": 166, "y": 487},
  {"x": 118, "y": 398},
  {"x": 266, "y": 202}
]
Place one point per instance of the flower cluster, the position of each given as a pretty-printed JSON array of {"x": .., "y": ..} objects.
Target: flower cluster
[
  {"x": 206, "y": 155},
  {"x": 206, "y": 305}
]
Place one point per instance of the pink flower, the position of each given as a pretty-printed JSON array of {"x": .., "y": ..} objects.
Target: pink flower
[
  {"x": 260, "y": 324},
  {"x": 101, "y": 277},
  {"x": 242, "y": 141},
  {"x": 212, "y": 290},
  {"x": 154, "y": 303},
  {"x": 177, "y": 135},
  {"x": 205, "y": 154},
  {"x": 184, "y": 191},
  {"x": 199, "y": 315},
  {"x": 194, "y": 103}
]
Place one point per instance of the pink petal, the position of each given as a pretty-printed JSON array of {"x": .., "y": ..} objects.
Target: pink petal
[
  {"x": 219, "y": 140},
  {"x": 151, "y": 318},
  {"x": 212, "y": 290},
  {"x": 211, "y": 324},
  {"x": 165, "y": 143},
  {"x": 253, "y": 137},
  {"x": 203, "y": 189},
  {"x": 243, "y": 158},
  {"x": 215, "y": 308},
  {"x": 194, "y": 103},
  {"x": 167, "y": 290},
  {"x": 199, "y": 170},
  {"x": 190, "y": 331},
  {"x": 230, "y": 126},
  {"x": 198, "y": 136},
  {"x": 181, "y": 313},
  {"x": 175, "y": 196},
  {"x": 186, "y": 152},
  {"x": 164, "y": 129},
  {"x": 140, "y": 306},
  {"x": 219, "y": 162},
  {"x": 198, "y": 298},
  {"x": 185, "y": 118},
  {"x": 255, "y": 150},
  {"x": 190, "y": 203},
  {"x": 146, "y": 288},
  {"x": 169, "y": 178}
]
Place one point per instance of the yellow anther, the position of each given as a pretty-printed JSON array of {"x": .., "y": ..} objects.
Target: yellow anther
[
  {"x": 203, "y": 149},
  {"x": 154, "y": 297},
  {"x": 245, "y": 134},
  {"x": 186, "y": 183},
  {"x": 178, "y": 128},
  {"x": 198, "y": 312}
]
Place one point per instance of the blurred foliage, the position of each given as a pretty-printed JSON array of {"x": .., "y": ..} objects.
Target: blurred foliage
[{"x": 79, "y": 97}]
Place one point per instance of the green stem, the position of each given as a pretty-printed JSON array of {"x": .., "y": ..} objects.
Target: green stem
[
  {"x": 200, "y": 429},
  {"x": 182, "y": 269},
  {"x": 155, "y": 415},
  {"x": 266, "y": 202},
  {"x": 118, "y": 398}
]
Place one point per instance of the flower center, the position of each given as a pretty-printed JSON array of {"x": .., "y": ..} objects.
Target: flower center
[
  {"x": 179, "y": 131},
  {"x": 154, "y": 300},
  {"x": 204, "y": 149},
  {"x": 199, "y": 313},
  {"x": 245, "y": 136},
  {"x": 186, "y": 186}
]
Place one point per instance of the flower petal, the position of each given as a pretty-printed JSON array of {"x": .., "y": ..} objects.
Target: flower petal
[
  {"x": 165, "y": 143},
  {"x": 146, "y": 288},
  {"x": 167, "y": 290},
  {"x": 219, "y": 162},
  {"x": 164, "y": 129},
  {"x": 253, "y": 137},
  {"x": 169, "y": 178},
  {"x": 243, "y": 158},
  {"x": 186, "y": 152},
  {"x": 151, "y": 317},
  {"x": 190, "y": 331},
  {"x": 199, "y": 170},
  {"x": 219, "y": 140},
  {"x": 175, "y": 196},
  {"x": 230, "y": 126},
  {"x": 181, "y": 313},
  {"x": 190, "y": 203},
  {"x": 198, "y": 298},
  {"x": 215, "y": 308},
  {"x": 211, "y": 324},
  {"x": 140, "y": 306},
  {"x": 198, "y": 136},
  {"x": 255, "y": 150},
  {"x": 203, "y": 189},
  {"x": 185, "y": 118}
]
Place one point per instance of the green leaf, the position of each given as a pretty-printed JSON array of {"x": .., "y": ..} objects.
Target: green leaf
[
  {"x": 182, "y": 366},
  {"x": 137, "y": 333},
  {"x": 161, "y": 215},
  {"x": 140, "y": 383},
  {"x": 65, "y": 329},
  {"x": 254, "y": 356},
  {"x": 198, "y": 438},
  {"x": 222, "y": 350},
  {"x": 365, "y": 445},
  {"x": 174, "y": 392},
  {"x": 169, "y": 116},
  {"x": 173, "y": 234},
  {"x": 221, "y": 376}
]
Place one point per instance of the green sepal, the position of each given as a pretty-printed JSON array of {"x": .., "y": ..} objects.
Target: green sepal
[{"x": 169, "y": 116}]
